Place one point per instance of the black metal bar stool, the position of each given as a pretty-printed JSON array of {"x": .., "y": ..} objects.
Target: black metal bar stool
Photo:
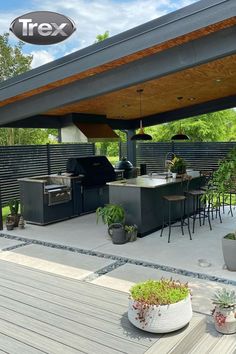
[
  {"x": 201, "y": 208},
  {"x": 173, "y": 199}
]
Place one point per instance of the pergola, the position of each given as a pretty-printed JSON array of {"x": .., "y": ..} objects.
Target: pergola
[{"x": 185, "y": 62}]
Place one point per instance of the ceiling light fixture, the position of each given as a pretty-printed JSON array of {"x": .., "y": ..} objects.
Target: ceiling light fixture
[
  {"x": 141, "y": 135},
  {"x": 180, "y": 136}
]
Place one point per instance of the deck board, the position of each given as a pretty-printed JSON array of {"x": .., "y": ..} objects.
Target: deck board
[{"x": 56, "y": 315}]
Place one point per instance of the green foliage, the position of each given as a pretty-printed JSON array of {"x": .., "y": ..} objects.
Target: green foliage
[
  {"x": 231, "y": 236},
  {"x": 14, "y": 62},
  {"x": 102, "y": 37},
  {"x": 161, "y": 292},
  {"x": 14, "y": 206},
  {"x": 131, "y": 228},
  {"x": 110, "y": 214},
  {"x": 217, "y": 126},
  {"x": 225, "y": 298},
  {"x": 224, "y": 178},
  {"x": 178, "y": 165}
]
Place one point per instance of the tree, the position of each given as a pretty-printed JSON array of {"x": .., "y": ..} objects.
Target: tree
[
  {"x": 12, "y": 63},
  {"x": 102, "y": 37},
  {"x": 217, "y": 126}
]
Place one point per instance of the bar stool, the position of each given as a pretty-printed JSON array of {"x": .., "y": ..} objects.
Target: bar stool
[
  {"x": 173, "y": 199},
  {"x": 199, "y": 211}
]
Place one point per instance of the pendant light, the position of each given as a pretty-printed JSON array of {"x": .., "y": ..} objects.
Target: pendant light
[
  {"x": 180, "y": 136},
  {"x": 141, "y": 135}
]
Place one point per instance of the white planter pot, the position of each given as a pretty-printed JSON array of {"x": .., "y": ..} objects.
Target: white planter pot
[
  {"x": 174, "y": 175},
  {"x": 229, "y": 326},
  {"x": 162, "y": 319}
]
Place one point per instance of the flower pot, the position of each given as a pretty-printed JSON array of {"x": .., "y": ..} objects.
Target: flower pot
[
  {"x": 117, "y": 233},
  {"x": 10, "y": 225},
  {"x": 132, "y": 236},
  {"x": 225, "y": 320},
  {"x": 174, "y": 174},
  {"x": 229, "y": 252},
  {"x": 161, "y": 319}
]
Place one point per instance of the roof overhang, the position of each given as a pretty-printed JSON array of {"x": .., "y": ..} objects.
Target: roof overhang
[{"x": 85, "y": 83}]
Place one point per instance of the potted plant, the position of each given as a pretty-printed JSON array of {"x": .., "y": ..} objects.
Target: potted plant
[
  {"x": 229, "y": 250},
  {"x": 10, "y": 221},
  {"x": 178, "y": 166},
  {"x": 132, "y": 232},
  {"x": 224, "y": 312},
  {"x": 113, "y": 215},
  {"x": 14, "y": 210},
  {"x": 160, "y": 306}
]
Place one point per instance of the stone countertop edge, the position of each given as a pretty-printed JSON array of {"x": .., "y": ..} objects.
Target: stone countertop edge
[{"x": 146, "y": 182}]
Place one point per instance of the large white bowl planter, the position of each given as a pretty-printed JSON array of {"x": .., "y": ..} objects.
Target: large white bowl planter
[{"x": 160, "y": 319}]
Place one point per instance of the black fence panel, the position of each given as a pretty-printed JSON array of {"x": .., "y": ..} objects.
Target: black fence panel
[
  {"x": 58, "y": 154},
  {"x": 198, "y": 155},
  {"x": 153, "y": 155},
  {"x": 32, "y": 160},
  {"x": 203, "y": 156}
]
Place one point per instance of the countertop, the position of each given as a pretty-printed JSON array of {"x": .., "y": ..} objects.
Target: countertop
[{"x": 146, "y": 182}]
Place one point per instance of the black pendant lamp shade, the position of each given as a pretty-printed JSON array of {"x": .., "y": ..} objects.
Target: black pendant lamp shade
[
  {"x": 141, "y": 135},
  {"x": 180, "y": 136}
]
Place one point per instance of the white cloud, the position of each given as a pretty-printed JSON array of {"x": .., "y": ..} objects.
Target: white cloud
[
  {"x": 41, "y": 57},
  {"x": 91, "y": 17}
]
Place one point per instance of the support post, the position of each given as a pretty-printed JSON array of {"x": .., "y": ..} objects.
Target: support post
[{"x": 131, "y": 147}]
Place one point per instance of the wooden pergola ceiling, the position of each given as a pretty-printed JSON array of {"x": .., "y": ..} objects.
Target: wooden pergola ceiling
[
  {"x": 196, "y": 85},
  {"x": 129, "y": 58}
]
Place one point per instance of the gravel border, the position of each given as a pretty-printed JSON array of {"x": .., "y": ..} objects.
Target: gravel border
[{"x": 121, "y": 261}]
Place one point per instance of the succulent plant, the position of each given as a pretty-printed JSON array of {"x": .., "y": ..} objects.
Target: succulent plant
[{"x": 225, "y": 298}]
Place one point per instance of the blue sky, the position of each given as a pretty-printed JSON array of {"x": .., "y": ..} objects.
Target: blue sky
[{"x": 92, "y": 17}]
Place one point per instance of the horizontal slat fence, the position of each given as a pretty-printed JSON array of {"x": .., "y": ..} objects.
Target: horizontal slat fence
[
  {"x": 32, "y": 160},
  {"x": 198, "y": 155}
]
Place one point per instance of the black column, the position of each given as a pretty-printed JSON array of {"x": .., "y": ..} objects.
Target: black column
[{"x": 131, "y": 147}]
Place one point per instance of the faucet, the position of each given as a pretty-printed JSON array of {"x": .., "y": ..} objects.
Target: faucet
[{"x": 168, "y": 158}]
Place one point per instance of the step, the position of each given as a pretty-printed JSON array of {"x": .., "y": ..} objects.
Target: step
[{"x": 179, "y": 342}]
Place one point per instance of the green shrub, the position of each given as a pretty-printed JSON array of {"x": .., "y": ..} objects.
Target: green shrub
[{"x": 161, "y": 292}]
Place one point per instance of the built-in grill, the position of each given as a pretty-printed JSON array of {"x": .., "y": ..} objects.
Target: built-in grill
[
  {"x": 95, "y": 172},
  {"x": 46, "y": 199}
]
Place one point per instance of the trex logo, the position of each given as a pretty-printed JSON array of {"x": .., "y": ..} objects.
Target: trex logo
[{"x": 42, "y": 27}]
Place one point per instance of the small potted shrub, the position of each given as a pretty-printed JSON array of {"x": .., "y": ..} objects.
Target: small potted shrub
[
  {"x": 160, "y": 306},
  {"x": 14, "y": 210},
  {"x": 178, "y": 166},
  {"x": 132, "y": 232},
  {"x": 224, "y": 312},
  {"x": 229, "y": 250},
  {"x": 113, "y": 216},
  {"x": 10, "y": 221}
]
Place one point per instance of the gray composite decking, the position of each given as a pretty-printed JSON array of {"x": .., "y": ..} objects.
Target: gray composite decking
[{"x": 45, "y": 313}]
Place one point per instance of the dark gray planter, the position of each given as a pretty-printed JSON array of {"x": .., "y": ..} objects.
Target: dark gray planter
[
  {"x": 229, "y": 252},
  {"x": 117, "y": 233}
]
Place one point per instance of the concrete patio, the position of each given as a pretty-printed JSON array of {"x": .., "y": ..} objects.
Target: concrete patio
[{"x": 202, "y": 255}]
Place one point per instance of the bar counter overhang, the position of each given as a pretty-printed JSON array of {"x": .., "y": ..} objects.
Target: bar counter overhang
[{"x": 142, "y": 198}]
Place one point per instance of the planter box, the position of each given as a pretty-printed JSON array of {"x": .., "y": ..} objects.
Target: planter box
[
  {"x": 162, "y": 319},
  {"x": 229, "y": 252}
]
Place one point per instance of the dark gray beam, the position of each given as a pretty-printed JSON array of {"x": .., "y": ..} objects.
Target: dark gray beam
[
  {"x": 191, "y": 18},
  {"x": 39, "y": 121},
  {"x": 131, "y": 147},
  {"x": 187, "y": 112},
  {"x": 203, "y": 50}
]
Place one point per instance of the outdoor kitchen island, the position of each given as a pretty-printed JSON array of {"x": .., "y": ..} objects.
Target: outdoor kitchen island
[{"x": 142, "y": 199}]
